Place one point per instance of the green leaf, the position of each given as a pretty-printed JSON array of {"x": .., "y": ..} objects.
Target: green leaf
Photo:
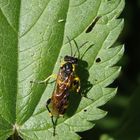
[{"x": 33, "y": 38}]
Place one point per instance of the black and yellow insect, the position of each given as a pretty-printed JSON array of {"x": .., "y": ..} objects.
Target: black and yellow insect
[{"x": 66, "y": 81}]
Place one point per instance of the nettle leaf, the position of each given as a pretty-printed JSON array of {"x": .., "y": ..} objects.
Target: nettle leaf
[{"x": 33, "y": 38}]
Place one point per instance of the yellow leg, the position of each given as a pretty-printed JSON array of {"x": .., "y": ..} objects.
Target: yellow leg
[
  {"x": 76, "y": 84},
  {"x": 45, "y": 81}
]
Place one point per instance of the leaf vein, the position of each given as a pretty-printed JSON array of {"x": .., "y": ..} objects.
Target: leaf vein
[
  {"x": 35, "y": 21},
  {"x": 8, "y": 22}
]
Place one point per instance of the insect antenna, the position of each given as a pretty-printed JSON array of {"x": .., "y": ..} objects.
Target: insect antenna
[
  {"x": 70, "y": 45},
  {"x": 78, "y": 48},
  {"x": 86, "y": 51}
]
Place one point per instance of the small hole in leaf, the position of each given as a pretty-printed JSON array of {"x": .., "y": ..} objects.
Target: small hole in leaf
[
  {"x": 85, "y": 110},
  {"x": 90, "y": 27},
  {"x": 98, "y": 60}
]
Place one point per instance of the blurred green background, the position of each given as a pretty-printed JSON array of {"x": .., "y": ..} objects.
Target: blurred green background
[{"x": 123, "y": 119}]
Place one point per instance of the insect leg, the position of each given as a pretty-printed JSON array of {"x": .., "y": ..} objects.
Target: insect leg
[
  {"x": 50, "y": 113},
  {"x": 76, "y": 84},
  {"x": 44, "y": 81},
  {"x": 47, "y": 106}
]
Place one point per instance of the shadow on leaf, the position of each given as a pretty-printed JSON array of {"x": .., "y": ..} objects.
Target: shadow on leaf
[{"x": 75, "y": 98}]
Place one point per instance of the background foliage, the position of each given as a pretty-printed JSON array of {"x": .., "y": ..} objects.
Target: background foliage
[{"x": 122, "y": 121}]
